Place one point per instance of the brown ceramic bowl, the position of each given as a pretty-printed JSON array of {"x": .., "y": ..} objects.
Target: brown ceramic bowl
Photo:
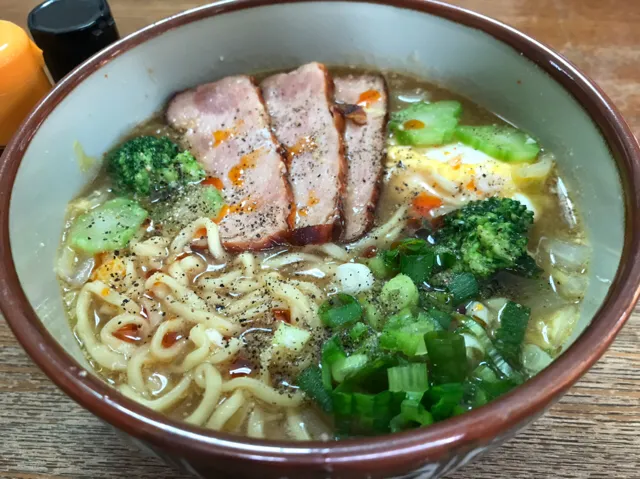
[{"x": 492, "y": 64}]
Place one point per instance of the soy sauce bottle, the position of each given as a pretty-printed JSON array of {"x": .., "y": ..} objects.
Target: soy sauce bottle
[{"x": 71, "y": 31}]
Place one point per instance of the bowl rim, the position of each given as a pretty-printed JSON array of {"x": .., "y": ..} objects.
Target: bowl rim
[{"x": 402, "y": 450}]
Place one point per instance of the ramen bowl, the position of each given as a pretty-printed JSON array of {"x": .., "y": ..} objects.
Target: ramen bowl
[{"x": 490, "y": 63}]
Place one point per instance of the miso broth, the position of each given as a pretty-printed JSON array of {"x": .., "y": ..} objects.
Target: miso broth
[{"x": 322, "y": 341}]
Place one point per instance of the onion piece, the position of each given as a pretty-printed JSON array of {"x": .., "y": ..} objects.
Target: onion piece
[
  {"x": 534, "y": 359},
  {"x": 568, "y": 257},
  {"x": 534, "y": 174},
  {"x": 496, "y": 304},
  {"x": 86, "y": 203},
  {"x": 552, "y": 331},
  {"x": 412, "y": 96},
  {"x": 570, "y": 286},
  {"x": 475, "y": 350},
  {"x": 72, "y": 268},
  {"x": 478, "y": 310},
  {"x": 566, "y": 205}
]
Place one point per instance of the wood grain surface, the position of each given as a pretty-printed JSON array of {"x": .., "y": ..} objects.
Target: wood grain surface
[{"x": 594, "y": 432}]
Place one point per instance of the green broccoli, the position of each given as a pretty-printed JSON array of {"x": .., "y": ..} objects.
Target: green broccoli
[
  {"x": 148, "y": 165},
  {"x": 186, "y": 206},
  {"x": 487, "y": 235}
]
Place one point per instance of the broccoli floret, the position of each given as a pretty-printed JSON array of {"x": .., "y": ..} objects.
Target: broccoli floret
[
  {"x": 487, "y": 235},
  {"x": 147, "y": 165},
  {"x": 186, "y": 206}
]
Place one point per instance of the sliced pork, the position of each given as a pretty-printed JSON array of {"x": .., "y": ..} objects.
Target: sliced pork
[
  {"x": 300, "y": 104},
  {"x": 364, "y": 100},
  {"x": 227, "y": 128}
]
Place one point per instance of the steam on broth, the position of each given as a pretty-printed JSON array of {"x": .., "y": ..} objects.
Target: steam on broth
[{"x": 187, "y": 296}]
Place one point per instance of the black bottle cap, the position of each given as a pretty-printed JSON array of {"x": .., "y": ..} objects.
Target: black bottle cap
[{"x": 70, "y": 31}]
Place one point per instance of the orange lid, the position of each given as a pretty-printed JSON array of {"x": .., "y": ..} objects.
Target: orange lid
[{"x": 20, "y": 59}]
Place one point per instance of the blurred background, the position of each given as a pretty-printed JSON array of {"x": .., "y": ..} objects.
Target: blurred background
[{"x": 600, "y": 36}]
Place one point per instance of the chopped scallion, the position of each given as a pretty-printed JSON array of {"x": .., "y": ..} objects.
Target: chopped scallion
[
  {"x": 447, "y": 356},
  {"x": 311, "y": 382},
  {"x": 443, "y": 318},
  {"x": 379, "y": 267},
  {"x": 445, "y": 398},
  {"x": 332, "y": 351},
  {"x": 514, "y": 319},
  {"x": 340, "y": 310},
  {"x": 372, "y": 377},
  {"x": 409, "y": 378},
  {"x": 463, "y": 287},
  {"x": 417, "y": 266},
  {"x": 342, "y": 403},
  {"x": 357, "y": 331},
  {"x": 346, "y": 366},
  {"x": 413, "y": 410}
]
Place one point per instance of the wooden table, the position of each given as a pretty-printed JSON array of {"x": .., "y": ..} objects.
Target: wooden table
[{"x": 593, "y": 432}]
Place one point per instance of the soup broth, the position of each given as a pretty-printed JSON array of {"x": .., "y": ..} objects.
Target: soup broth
[{"x": 220, "y": 338}]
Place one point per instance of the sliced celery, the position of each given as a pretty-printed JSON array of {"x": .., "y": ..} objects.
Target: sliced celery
[
  {"x": 500, "y": 141},
  {"x": 426, "y": 124},
  {"x": 108, "y": 227}
]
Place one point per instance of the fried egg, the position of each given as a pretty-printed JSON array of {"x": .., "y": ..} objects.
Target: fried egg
[{"x": 454, "y": 175}]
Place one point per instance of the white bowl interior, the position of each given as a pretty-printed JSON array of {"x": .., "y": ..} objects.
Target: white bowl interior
[{"x": 136, "y": 84}]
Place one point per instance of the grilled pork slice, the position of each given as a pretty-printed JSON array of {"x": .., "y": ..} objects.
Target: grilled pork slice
[
  {"x": 300, "y": 104},
  {"x": 227, "y": 128},
  {"x": 364, "y": 100}
]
